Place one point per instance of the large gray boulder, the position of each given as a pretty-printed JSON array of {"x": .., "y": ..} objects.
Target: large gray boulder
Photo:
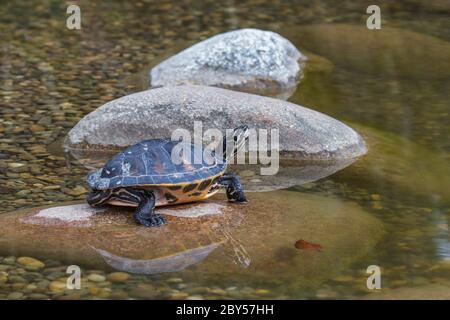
[
  {"x": 156, "y": 113},
  {"x": 249, "y": 60}
]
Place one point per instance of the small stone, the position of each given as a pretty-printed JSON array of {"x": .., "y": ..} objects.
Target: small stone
[
  {"x": 38, "y": 296},
  {"x": 104, "y": 292},
  {"x": 174, "y": 280},
  {"x": 31, "y": 262},
  {"x": 43, "y": 284},
  {"x": 195, "y": 297},
  {"x": 4, "y": 267},
  {"x": 376, "y": 205},
  {"x": 118, "y": 295},
  {"x": 17, "y": 279},
  {"x": 15, "y": 296},
  {"x": 57, "y": 286},
  {"x": 36, "y": 128},
  {"x": 77, "y": 191},
  {"x": 55, "y": 275},
  {"x": 18, "y": 167},
  {"x": 96, "y": 277},
  {"x": 178, "y": 296},
  {"x": 18, "y": 286},
  {"x": 94, "y": 291},
  {"x": 217, "y": 291},
  {"x": 375, "y": 197},
  {"x": 118, "y": 277},
  {"x": 144, "y": 291},
  {"x": 262, "y": 292}
]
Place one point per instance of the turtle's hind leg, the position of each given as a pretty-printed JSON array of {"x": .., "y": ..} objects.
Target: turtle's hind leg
[
  {"x": 233, "y": 186},
  {"x": 145, "y": 212}
]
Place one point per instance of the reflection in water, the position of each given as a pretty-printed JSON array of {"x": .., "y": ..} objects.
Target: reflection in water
[
  {"x": 178, "y": 261},
  {"x": 173, "y": 263}
]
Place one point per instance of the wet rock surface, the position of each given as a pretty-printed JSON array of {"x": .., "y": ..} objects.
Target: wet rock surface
[
  {"x": 156, "y": 113},
  {"x": 243, "y": 244},
  {"x": 249, "y": 60}
]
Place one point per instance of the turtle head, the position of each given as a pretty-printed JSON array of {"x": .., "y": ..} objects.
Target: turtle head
[
  {"x": 235, "y": 142},
  {"x": 98, "y": 185},
  {"x": 98, "y": 197}
]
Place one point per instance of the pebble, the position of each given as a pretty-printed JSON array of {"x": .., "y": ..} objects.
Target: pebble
[
  {"x": 57, "y": 286},
  {"x": 118, "y": 277},
  {"x": 375, "y": 197},
  {"x": 17, "y": 279},
  {"x": 217, "y": 291},
  {"x": 38, "y": 296},
  {"x": 178, "y": 296},
  {"x": 15, "y": 296},
  {"x": 94, "y": 291},
  {"x": 30, "y": 262},
  {"x": 55, "y": 275},
  {"x": 174, "y": 280},
  {"x": 9, "y": 260},
  {"x": 3, "y": 277},
  {"x": 262, "y": 292},
  {"x": 96, "y": 277},
  {"x": 77, "y": 191},
  {"x": 195, "y": 297},
  {"x": 4, "y": 267},
  {"x": 118, "y": 295},
  {"x": 144, "y": 291}
]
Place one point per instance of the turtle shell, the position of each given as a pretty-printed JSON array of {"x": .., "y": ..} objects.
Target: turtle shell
[{"x": 149, "y": 163}]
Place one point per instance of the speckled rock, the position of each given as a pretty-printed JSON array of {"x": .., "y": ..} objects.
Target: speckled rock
[
  {"x": 156, "y": 113},
  {"x": 248, "y": 60}
]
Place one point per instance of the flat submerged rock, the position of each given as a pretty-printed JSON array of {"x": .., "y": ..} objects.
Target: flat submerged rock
[
  {"x": 398, "y": 166},
  {"x": 244, "y": 243},
  {"x": 249, "y": 60},
  {"x": 392, "y": 52},
  {"x": 156, "y": 113}
]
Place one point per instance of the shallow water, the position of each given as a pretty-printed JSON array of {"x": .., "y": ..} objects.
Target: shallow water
[{"x": 51, "y": 77}]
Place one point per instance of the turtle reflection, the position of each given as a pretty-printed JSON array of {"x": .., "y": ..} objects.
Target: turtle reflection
[{"x": 188, "y": 248}]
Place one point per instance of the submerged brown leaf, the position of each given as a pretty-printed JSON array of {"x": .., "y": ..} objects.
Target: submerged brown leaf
[{"x": 304, "y": 245}]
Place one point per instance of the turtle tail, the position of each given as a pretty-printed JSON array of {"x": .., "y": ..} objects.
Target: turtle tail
[{"x": 234, "y": 142}]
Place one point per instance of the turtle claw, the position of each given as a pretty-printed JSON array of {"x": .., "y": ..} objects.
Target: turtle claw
[
  {"x": 153, "y": 220},
  {"x": 238, "y": 197}
]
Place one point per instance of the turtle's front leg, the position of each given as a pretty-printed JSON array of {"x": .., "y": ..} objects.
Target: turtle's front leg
[
  {"x": 145, "y": 212},
  {"x": 233, "y": 186}
]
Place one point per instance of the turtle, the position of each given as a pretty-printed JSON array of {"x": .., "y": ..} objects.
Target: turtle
[{"x": 145, "y": 176}]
